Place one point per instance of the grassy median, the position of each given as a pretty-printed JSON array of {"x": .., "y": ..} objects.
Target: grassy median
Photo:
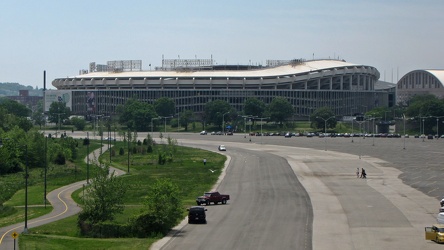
[{"x": 186, "y": 170}]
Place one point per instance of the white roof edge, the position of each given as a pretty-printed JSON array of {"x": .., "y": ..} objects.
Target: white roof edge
[{"x": 306, "y": 66}]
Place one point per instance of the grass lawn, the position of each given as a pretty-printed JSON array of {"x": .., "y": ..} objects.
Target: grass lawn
[
  {"x": 13, "y": 185},
  {"x": 186, "y": 170}
]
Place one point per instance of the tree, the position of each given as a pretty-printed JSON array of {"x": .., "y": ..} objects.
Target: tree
[
  {"x": 165, "y": 106},
  {"x": 79, "y": 123},
  {"x": 254, "y": 107},
  {"x": 280, "y": 109},
  {"x": 104, "y": 198},
  {"x": 38, "y": 116},
  {"x": 424, "y": 107},
  {"x": 58, "y": 112},
  {"x": 323, "y": 117},
  {"x": 214, "y": 111},
  {"x": 136, "y": 115},
  {"x": 162, "y": 210},
  {"x": 185, "y": 118},
  {"x": 14, "y": 107}
]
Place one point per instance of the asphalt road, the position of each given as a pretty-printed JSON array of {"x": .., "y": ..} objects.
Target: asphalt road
[
  {"x": 388, "y": 210},
  {"x": 266, "y": 200},
  {"x": 268, "y": 179}
]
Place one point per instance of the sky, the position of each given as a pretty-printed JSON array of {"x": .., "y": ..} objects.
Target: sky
[{"x": 63, "y": 37}]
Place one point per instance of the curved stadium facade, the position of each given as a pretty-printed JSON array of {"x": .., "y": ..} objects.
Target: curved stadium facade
[{"x": 345, "y": 87}]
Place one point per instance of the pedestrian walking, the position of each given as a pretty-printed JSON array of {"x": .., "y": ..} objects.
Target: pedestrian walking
[
  {"x": 357, "y": 172},
  {"x": 205, "y": 161},
  {"x": 363, "y": 174}
]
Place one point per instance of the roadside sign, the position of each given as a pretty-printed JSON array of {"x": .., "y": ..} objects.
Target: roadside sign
[{"x": 15, "y": 235}]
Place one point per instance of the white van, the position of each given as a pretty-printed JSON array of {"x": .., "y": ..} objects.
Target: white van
[{"x": 440, "y": 218}]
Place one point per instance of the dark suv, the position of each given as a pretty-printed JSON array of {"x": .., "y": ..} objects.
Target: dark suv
[{"x": 196, "y": 214}]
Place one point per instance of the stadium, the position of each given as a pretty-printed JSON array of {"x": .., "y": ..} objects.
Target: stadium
[{"x": 307, "y": 84}]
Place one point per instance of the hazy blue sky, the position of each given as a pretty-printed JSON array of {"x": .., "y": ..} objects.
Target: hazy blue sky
[{"x": 62, "y": 37}]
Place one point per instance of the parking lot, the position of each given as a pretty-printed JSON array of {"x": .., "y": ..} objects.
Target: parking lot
[{"x": 419, "y": 159}]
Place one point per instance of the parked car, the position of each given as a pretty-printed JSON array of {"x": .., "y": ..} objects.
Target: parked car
[
  {"x": 435, "y": 233},
  {"x": 197, "y": 214},
  {"x": 430, "y": 137},
  {"x": 222, "y": 148},
  {"x": 203, "y": 132},
  {"x": 214, "y": 197},
  {"x": 440, "y": 218},
  {"x": 288, "y": 135},
  {"x": 229, "y": 133}
]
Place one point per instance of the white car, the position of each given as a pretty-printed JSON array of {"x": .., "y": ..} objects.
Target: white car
[
  {"x": 203, "y": 132},
  {"x": 222, "y": 148},
  {"x": 440, "y": 218}
]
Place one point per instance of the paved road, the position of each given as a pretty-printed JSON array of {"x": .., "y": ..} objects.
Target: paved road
[
  {"x": 268, "y": 206},
  {"x": 62, "y": 204},
  {"x": 387, "y": 211}
]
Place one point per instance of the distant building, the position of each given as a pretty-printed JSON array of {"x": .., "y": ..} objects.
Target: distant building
[
  {"x": 307, "y": 84},
  {"x": 25, "y": 99},
  {"x": 419, "y": 82}
]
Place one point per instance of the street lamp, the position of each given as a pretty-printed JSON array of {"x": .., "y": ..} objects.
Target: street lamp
[
  {"x": 262, "y": 135},
  {"x": 152, "y": 119},
  {"x": 87, "y": 158},
  {"x": 223, "y": 122},
  {"x": 403, "y": 120},
  {"x": 46, "y": 168},
  {"x": 165, "y": 121},
  {"x": 437, "y": 125},
  {"x": 58, "y": 120},
  {"x": 178, "y": 122},
  {"x": 128, "y": 150},
  {"x": 325, "y": 129},
  {"x": 25, "y": 230}
]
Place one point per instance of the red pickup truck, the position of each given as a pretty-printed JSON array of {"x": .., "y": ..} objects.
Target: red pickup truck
[{"x": 214, "y": 197}]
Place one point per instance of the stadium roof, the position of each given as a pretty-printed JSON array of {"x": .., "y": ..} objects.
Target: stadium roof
[
  {"x": 438, "y": 73},
  {"x": 301, "y": 68}
]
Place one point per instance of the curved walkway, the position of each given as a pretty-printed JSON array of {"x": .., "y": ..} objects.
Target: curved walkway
[{"x": 61, "y": 201}]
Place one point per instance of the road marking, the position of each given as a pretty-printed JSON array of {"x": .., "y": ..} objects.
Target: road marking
[{"x": 64, "y": 211}]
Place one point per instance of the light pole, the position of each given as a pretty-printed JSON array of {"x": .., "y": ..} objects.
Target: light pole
[
  {"x": 178, "y": 122},
  {"x": 152, "y": 119},
  {"x": 46, "y": 168},
  {"x": 353, "y": 134},
  {"x": 165, "y": 121},
  {"x": 128, "y": 150},
  {"x": 437, "y": 125},
  {"x": 223, "y": 122},
  {"x": 87, "y": 158},
  {"x": 403, "y": 120},
  {"x": 373, "y": 129},
  {"x": 58, "y": 114},
  {"x": 325, "y": 129},
  {"x": 25, "y": 230},
  {"x": 245, "y": 126},
  {"x": 261, "y": 119},
  {"x": 423, "y": 131}
]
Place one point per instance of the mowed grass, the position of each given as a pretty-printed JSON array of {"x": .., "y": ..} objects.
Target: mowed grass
[
  {"x": 55, "y": 242},
  {"x": 186, "y": 170},
  {"x": 13, "y": 186}
]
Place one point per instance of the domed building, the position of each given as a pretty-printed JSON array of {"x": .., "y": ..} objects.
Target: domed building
[{"x": 419, "y": 82}]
